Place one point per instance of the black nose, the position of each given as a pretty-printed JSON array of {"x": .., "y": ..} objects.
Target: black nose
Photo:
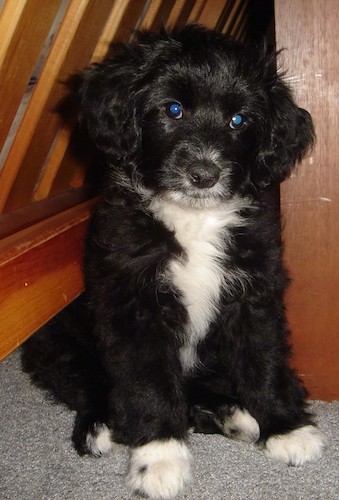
[{"x": 204, "y": 176}]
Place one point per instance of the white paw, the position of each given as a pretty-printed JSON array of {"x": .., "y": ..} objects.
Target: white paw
[
  {"x": 241, "y": 426},
  {"x": 297, "y": 447},
  {"x": 159, "y": 469},
  {"x": 99, "y": 441}
]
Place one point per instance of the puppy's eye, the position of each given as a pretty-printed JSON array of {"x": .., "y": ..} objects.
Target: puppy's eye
[
  {"x": 174, "y": 110},
  {"x": 237, "y": 121}
]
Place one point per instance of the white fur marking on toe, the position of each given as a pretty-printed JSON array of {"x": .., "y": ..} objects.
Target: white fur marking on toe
[
  {"x": 241, "y": 426},
  {"x": 159, "y": 469},
  {"x": 99, "y": 442},
  {"x": 297, "y": 447}
]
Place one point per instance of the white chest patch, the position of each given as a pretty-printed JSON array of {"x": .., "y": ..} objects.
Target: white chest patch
[{"x": 201, "y": 276}]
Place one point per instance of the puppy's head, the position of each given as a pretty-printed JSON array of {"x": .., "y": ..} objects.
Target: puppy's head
[{"x": 193, "y": 116}]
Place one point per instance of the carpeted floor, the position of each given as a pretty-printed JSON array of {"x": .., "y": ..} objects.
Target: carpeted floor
[{"x": 37, "y": 461}]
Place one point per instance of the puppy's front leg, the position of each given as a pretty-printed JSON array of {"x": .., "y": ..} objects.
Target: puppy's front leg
[
  {"x": 138, "y": 322},
  {"x": 270, "y": 392},
  {"x": 147, "y": 407}
]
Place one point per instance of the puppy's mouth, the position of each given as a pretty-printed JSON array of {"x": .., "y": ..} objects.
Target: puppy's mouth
[
  {"x": 190, "y": 196},
  {"x": 199, "y": 188},
  {"x": 193, "y": 201}
]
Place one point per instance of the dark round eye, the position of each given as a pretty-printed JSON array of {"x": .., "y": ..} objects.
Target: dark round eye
[
  {"x": 174, "y": 110},
  {"x": 237, "y": 121}
]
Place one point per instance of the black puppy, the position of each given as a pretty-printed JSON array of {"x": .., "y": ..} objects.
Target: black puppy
[{"x": 182, "y": 322}]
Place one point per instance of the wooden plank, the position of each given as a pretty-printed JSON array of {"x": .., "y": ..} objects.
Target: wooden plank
[
  {"x": 181, "y": 12},
  {"x": 310, "y": 199},
  {"x": 22, "y": 52},
  {"x": 9, "y": 19},
  {"x": 21, "y": 218},
  {"x": 39, "y": 154},
  {"x": 233, "y": 8},
  {"x": 238, "y": 18},
  {"x": 162, "y": 14},
  {"x": 212, "y": 12},
  {"x": 151, "y": 14},
  {"x": 40, "y": 270},
  {"x": 175, "y": 12},
  {"x": 112, "y": 24},
  {"x": 196, "y": 11},
  {"x": 51, "y": 167},
  {"x": 40, "y": 96},
  {"x": 76, "y": 162},
  {"x": 132, "y": 19},
  {"x": 243, "y": 29}
]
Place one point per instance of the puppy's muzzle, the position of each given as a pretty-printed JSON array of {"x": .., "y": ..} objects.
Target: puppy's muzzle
[{"x": 204, "y": 175}]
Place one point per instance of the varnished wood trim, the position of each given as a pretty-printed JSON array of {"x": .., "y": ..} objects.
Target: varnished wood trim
[{"x": 41, "y": 272}]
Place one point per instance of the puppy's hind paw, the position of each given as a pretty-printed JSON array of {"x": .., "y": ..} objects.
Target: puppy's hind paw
[
  {"x": 99, "y": 440},
  {"x": 297, "y": 447},
  {"x": 240, "y": 425},
  {"x": 159, "y": 469},
  {"x": 91, "y": 436}
]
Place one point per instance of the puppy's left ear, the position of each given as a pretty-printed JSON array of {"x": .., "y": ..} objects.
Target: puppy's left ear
[{"x": 289, "y": 134}]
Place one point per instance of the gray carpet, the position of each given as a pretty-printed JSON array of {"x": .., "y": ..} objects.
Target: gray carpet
[{"x": 37, "y": 460}]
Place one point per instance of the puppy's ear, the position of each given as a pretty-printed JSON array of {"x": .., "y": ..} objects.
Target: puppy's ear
[
  {"x": 107, "y": 106},
  {"x": 289, "y": 134}
]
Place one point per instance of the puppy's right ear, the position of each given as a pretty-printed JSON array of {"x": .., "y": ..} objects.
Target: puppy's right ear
[{"x": 107, "y": 107}]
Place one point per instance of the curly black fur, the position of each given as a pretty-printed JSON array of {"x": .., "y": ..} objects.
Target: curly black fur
[{"x": 116, "y": 354}]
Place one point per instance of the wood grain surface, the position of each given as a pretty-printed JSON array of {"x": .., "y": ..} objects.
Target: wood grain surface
[
  {"x": 41, "y": 272},
  {"x": 308, "y": 29}
]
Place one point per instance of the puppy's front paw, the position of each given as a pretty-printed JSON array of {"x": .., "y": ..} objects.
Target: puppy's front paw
[
  {"x": 297, "y": 447},
  {"x": 159, "y": 469}
]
